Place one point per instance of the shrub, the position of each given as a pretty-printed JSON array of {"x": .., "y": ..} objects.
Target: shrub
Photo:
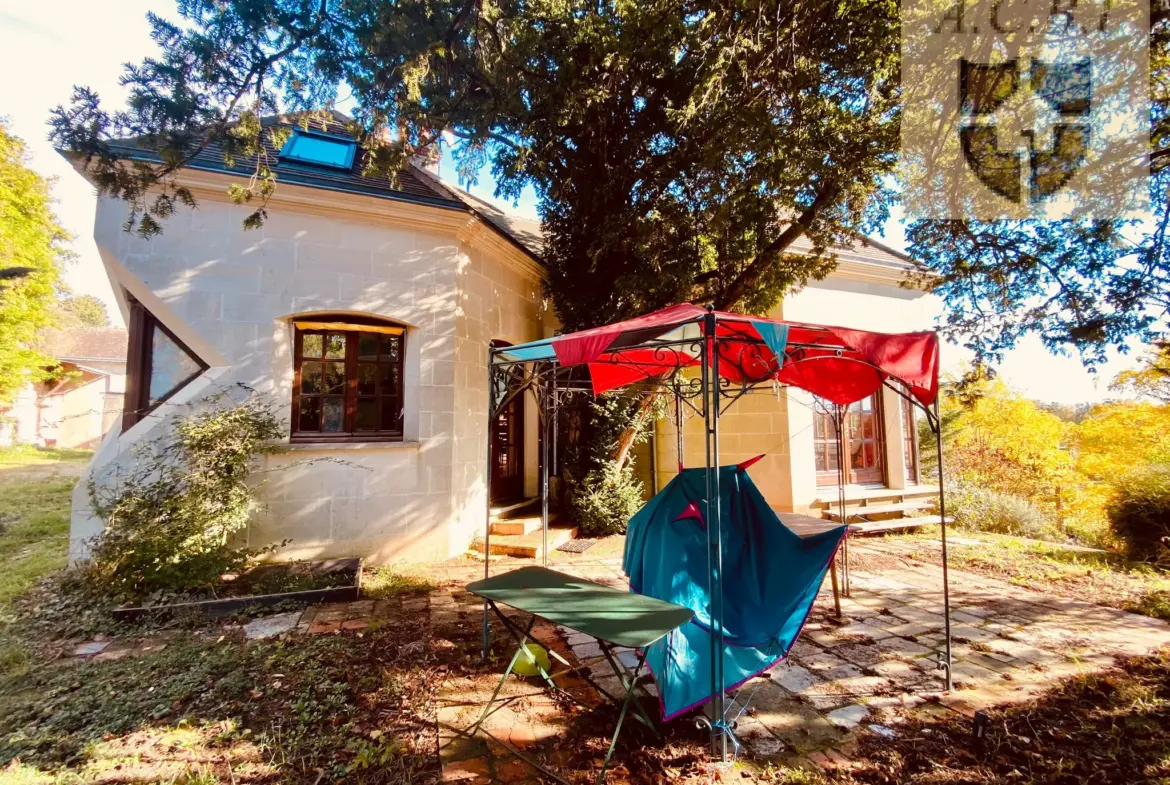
[
  {"x": 605, "y": 500},
  {"x": 1139, "y": 513},
  {"x": 992, "y": 511},
  {"x": 170, "y": 521}
]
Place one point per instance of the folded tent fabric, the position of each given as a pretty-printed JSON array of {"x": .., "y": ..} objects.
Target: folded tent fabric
[{"x": 771, "y": 577}]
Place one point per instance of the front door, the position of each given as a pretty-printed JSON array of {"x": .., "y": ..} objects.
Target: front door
[
  {"x": 508, "y": 453},
  {"x": 862, "y": 442}
]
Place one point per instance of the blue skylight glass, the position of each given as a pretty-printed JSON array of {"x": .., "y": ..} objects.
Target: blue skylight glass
[{"x": 309, "y": 148}]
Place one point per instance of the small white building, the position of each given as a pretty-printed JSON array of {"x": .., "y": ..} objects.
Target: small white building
[
  {"x": 83, "y": 400},
  {"x": 366, "y": 312}
]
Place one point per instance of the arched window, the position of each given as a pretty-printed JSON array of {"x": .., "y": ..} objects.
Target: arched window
[{"x": 348, "y": 379}]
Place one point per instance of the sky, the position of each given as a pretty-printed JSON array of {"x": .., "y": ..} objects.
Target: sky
[{"x": 47, "y": 47}]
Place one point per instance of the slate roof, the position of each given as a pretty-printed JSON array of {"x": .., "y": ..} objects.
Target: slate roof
[{"x": 107, "y": 344}]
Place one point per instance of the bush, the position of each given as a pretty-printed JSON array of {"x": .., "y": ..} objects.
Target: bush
[
  {"x": 992, "y": 511},
  {"x": 603, "y": 503},
  {"x": 170, "y": 521},
  {"x": 1139, "y": 513}
]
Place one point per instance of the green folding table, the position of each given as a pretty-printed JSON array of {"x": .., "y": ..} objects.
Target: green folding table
[{"x": 612, "y": 616}]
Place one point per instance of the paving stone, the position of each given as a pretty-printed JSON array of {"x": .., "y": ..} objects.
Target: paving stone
[
  {"x": 910, "y": 629},
  {"x": 842, "y": 671},
  {"x": 862, "y": 630},
  {"x": 586, "y": 651},
  {"x": 860, "y": 654},
  {"x": 793, "y": 678},
  {"x": 271, "y": 626},
  {"x": 848, "y": 717},
  {"x": 820, "y": 661},
  {"x": 970, "y": 673},
  {"x": 797, "y": 724},
  {"x": 89, "y": 649},
  {"x": 318, "y": 627},
  {"x": 902, "y": 646}
]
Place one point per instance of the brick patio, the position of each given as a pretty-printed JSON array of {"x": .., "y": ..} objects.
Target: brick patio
[{"x": 866, "y": 671}]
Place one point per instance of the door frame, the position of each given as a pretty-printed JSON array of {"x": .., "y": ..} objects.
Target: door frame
[{"x": 508, "y": 487}]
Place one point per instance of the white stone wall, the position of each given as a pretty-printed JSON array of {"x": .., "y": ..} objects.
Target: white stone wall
[{"x": 230, "y": 294}]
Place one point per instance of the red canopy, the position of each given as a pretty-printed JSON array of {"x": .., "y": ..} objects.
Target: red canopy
[{"x": 838, "y": 364}]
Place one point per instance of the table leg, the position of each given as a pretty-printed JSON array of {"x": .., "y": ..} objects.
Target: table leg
[
  {"x": 520, "y": 649},
  {"x": 621, "y": 717},
  {"x": 620, "y": 670}
]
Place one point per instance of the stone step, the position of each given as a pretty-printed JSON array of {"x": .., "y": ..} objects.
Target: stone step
[
  {"x": 859, "y": 495},
  {"x": 867, "y": 510},
  {"x": 525, "y": 525},
  {"x": 894, "y": 525},
  {"x": 501, "y": 511},
  {"x": 528, "y": 546}
]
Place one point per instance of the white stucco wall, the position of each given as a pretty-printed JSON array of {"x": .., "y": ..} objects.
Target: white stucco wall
[{"x": 229, "y": 294}]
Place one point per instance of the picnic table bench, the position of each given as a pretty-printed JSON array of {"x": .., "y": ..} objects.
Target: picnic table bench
[{"x": 612, "y": 616}]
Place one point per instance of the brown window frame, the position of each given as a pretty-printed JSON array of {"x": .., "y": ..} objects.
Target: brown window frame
[
  {"x": 823, "y": 424},
  {"x": 910, "y": 441},
  {"x": 349, "y": 432},
  {"x": 139, "y": 362}
]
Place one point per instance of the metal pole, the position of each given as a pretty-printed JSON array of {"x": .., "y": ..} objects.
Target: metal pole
[
  {"x": 678, "y": 427},
  {"x": 705, "y": 374},
  {"x": 839, "y": 448},
  {"x": 543, "y": 414},
  {"x": 487, "y": 492},
  {"x": 720, "y": 709},
  {"x": 842, "y": 413},
  {"x": 942, "y": 512}
]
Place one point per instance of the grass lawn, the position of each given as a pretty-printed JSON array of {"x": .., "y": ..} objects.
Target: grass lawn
[{"x": 35, "y": 494}]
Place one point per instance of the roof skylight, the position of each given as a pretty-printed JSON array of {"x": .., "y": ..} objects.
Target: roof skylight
[{"x": 308, "y": 147}]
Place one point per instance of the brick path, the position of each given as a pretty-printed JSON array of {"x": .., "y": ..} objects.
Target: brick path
[{"x": 868, "y": 669}]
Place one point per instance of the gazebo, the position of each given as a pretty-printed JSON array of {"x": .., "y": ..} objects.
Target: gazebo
[{"x": 706, "y": 360}]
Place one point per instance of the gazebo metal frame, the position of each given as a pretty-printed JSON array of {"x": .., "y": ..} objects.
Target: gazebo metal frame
[{"x": 708, "y": 395}]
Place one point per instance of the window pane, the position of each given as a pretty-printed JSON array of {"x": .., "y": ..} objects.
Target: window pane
[
  {"x": 389, "y": 379},
  {"x": 311, "y": 378},
  {"x": 367, "y": 416},
  {"x": 367, "y": 379},
  {"x": 822, "y": 465},
  {"x": 335, "y": 346},
  {"x": 391, "y": 414},
  {"x": 867, "y": 427},
  {"x": 335, "y": 378},
  {"x": 390, "y": 347},
  {"x": 311, "y": 346},
  {"x": 367, "y": 346},
  {"x": 170, "y": 366},
  {"x": 334, "y": 414},
  {"x": 831, "y": 454},
  {"x": 310, "y": 414}
]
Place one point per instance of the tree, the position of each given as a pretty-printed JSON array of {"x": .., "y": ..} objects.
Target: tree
[
  {"x": 83, "y": 310},
  {"x": 1117, "y": 437},
  {"x": 1152, "y": 380},
  {"x": 677, "y": 149},
  {"x": 999, "y": 440},
  {"x": 30, "y": 238}
]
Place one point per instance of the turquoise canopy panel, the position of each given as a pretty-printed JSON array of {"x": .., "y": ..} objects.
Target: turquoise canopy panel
[{"x": 771, "y": 578}]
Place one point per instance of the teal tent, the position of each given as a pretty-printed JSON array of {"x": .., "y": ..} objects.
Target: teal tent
[{"x": 770, "y": 578}]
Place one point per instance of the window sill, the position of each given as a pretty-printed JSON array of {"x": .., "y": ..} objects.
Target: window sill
[{"x": 347, "y": 446}]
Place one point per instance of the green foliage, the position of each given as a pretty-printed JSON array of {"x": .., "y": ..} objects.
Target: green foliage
[
  {"x": 171, "y": 518},
  {"x": 602, "y": 492},
  {"x": 30, "y": 238},
  {"x": 83, "y": 310},
  {"x": 981, "y": 509},
  {"x": 1139, "y": 513},
  {"x": 605, "y": 500}
]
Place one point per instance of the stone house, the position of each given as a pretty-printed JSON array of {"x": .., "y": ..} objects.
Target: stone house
[{"x": 366, "y": 311}]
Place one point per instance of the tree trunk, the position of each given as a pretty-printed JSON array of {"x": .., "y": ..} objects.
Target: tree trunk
[{"x": 625, "y": 442}]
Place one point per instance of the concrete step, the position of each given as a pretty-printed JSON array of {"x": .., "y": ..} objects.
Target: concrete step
[
  {"x": 894, "y": 525},
  {"x": 528, "y": 546},
  {"x": 859, "y": 495},
  {"x": 525, "y": 525},
  {"x": 502, "y": 511},
  {"x": 866, "y": 510}
]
